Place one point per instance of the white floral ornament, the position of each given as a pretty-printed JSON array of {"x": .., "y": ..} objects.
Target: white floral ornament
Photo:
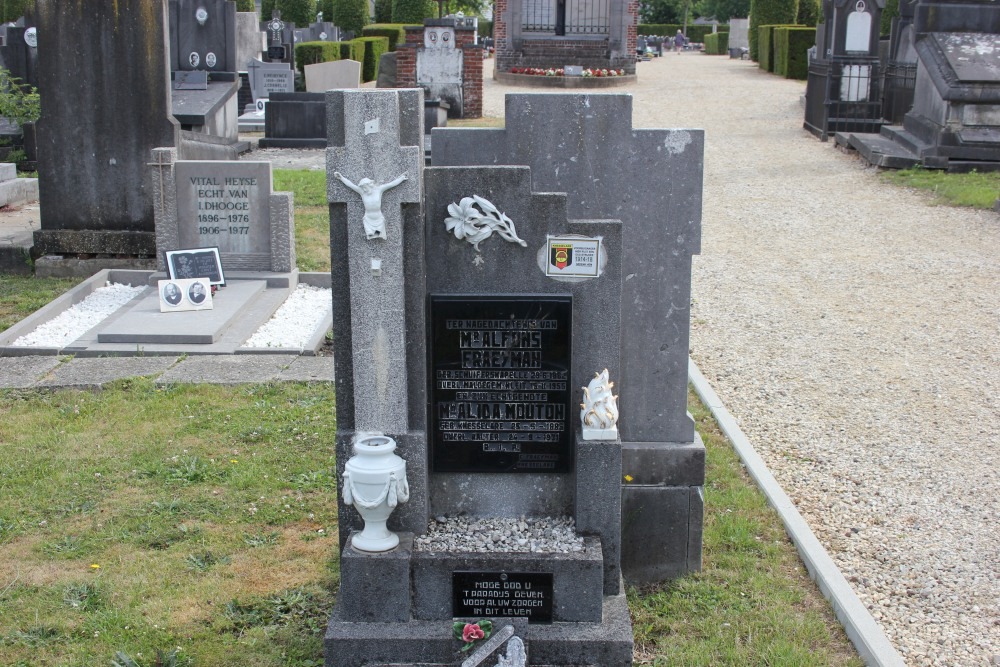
[{"x": 476, "y": 225}]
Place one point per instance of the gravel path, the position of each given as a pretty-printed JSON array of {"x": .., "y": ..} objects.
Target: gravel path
[{"x": 854, "y": 331}]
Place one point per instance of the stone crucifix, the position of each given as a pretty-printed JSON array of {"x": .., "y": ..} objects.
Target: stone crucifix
[
  {"x": 377, "y": 134},
  {"x": 371, "y": 197}
]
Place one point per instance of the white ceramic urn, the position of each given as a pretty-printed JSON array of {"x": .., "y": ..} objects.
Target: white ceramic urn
[{"x": 375, "y": 482}]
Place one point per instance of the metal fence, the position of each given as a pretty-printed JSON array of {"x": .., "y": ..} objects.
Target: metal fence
[
  {"x": 898, "y": 82},
  {"x": 566, "y": 17},
  {"x": 843, "y": 95}
]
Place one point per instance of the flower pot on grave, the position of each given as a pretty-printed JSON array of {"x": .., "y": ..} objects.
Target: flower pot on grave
[{"x": 374, "y": 483}]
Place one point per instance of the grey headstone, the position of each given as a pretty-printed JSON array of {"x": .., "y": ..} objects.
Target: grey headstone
[
  {"x": 113, "y": 115},
  {"x": 267, "y": 78},
  {"x": 610, "y": 170},
  {"x": 249, "y": 40},
  {"x": 322, "y": 77},
  {"x": 224, "y": 204},
  {"x": 386, "y": 71}
]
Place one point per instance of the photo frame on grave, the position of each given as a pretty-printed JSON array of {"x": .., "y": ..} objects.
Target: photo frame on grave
[
  {"x": 179, "y": 295},
  {"x": 195, "y": 263}
]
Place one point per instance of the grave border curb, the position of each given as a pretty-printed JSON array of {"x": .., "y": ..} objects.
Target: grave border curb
[{"x": 864, "y": 632}]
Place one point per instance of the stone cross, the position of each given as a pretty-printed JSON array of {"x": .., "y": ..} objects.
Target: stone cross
[{"x": 366, "y": 140}]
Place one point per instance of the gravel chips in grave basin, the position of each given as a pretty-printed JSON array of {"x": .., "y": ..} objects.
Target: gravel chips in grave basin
[
  {"x": 294, "y": 323},
  {"x": 80, "y": 318},
  {"x": 291, "y": 326},
  {"x": 478, "y": 534}
]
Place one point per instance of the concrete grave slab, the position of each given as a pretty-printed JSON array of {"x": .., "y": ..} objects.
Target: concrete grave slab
[
  {"x": 228, "y": 370},
  {"x": 95, "y": 373},
  {"x": 308, "y": 369},
  {"x": 24, "y": 372},
  {"x": 144, "y": 323},
  {"x": 322, "y": 77}
]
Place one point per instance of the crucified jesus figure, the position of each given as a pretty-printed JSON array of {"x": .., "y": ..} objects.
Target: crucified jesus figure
[{"x": 371, "y": 197}]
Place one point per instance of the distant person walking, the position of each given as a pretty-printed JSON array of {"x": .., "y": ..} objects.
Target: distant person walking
[{"x": 679, "y": 41}]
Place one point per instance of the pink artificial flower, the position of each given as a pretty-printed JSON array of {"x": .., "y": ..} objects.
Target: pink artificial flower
[{"x": 472, "y": 632}]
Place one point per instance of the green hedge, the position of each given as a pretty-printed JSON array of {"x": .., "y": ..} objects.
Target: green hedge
[
  {"x": 485, "y": 28},
  {"x": 769, "y": 12},
  {"x": 374, "y": 48},
  {"x": 695, "y": 33},
  {"x": 352, "y": 50},
  {"x": 350, "y": 15},
  {"x": 383, "y": 11},
  {"x": 809, "y": 13},
  {"x": 310, "y": 53},
  {"x": 717, "y": 44},
  {"x": 394, "y": 32},
  {"x": 791, "y": 46},
  {"x": 246, "y": 6},
  {"x": 765, "y": 45}
]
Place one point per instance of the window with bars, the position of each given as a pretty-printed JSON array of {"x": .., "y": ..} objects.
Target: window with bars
[{"x": 566, "y": 17}]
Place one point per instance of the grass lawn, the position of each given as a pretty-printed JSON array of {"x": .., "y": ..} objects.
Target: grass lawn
[
  {"x": 200, "y": 521},
  {"x": 978, "y": 190},
  {"x": 20, "y": 296}
]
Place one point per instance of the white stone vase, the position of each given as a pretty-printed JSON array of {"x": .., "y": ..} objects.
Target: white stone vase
[{"x": 375, "y": 482}]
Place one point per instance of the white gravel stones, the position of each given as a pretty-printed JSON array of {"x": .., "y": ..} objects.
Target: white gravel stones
[
  {"x": 296, "y": 321},
  {"x": 79, "y": 318},
  {"x": 466, "y": 534}
]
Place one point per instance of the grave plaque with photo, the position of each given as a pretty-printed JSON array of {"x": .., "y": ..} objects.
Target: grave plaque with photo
[
  {"x": 492, "y": 594},
  {"x": 500, "y": 383}
]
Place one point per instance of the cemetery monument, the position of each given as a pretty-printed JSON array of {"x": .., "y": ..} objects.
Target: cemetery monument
[
  {"x": 609, "y": 170},
  {"x": 480, "y": 343}
]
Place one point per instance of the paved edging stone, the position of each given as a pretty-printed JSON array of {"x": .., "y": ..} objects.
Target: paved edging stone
[{"x": 867, "y": 636}]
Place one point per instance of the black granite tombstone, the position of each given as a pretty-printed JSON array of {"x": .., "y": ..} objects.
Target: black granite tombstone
[
  {"x": 203, "y": 35},
  {"x": 500, "y": 383}
]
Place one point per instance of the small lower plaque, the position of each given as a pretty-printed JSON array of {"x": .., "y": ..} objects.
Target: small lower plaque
[{"x": 502, "y": 594}]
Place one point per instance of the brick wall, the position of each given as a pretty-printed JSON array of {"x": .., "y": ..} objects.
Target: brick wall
[
  {"x": 472, "y": 80},
  {"x": 558, "y": 52}
]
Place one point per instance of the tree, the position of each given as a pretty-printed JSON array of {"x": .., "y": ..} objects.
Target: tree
[
  {"x": 12, "y": 10},
  {"x": 891, "y": 10},
  {"x": 809, "y": 13},
  {"x": 723, "y": 10},
  {"x": 350, "y": 15},
  {"x": 413, "y": 11},
  {"x": 299, "y": 12},
  {"x": 383, "y": 11},
  {"x": 770, "y": 12},
  {"x": 660, "y": 11},
  {"x": 245, "y": 6}
]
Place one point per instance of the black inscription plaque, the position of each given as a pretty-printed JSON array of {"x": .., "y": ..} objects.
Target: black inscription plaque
[
  {"x": 500, "y": 383},
  {"x": 276, "y": 52},
  {"x": 494, "y": 594}
]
